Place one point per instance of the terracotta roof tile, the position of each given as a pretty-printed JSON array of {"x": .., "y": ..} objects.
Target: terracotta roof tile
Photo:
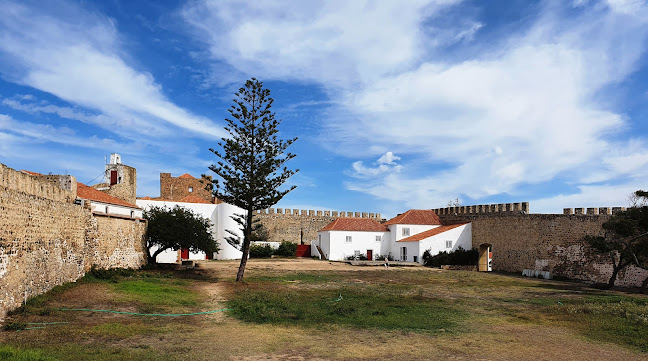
[
  {"x": 416, "y": 216},
  {"x": 194, "y": 199},
  {"x": 30, "y": 172},
  {"x": 429, "y": 233},
  {"x": 187, "y": 175},
  {"x": 355, "y": 224},
  {"x": 85, "y": 192}
]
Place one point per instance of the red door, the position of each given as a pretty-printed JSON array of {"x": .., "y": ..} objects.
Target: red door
[
  {"x": 113, "y": 177},
  {"x": 184, "y": 253},
  {"x": 209, "y": 255},
  {"x": 370, "y": 255}
]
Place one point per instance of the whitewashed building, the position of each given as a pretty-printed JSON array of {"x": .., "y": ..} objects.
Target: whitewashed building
[
  {"x": 352, "y": 237},
  {"x": 405, "y": 237},
  {"x": 219, "y": 214}
]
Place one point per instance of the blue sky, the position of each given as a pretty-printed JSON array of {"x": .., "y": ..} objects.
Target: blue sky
[{"x": 397, "y": 105}]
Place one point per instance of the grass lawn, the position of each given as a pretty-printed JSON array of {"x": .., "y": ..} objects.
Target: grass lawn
[{"x": 304, "y": 310}]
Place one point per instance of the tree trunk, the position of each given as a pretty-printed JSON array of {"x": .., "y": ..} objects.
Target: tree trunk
[
  {"x": 246, "y": 245},
  {"x": 644, "y": 285},
  {"x": 615, "y": 271}
]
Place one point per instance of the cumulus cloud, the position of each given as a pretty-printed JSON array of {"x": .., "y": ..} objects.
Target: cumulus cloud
[
  {"x": 485, "y": 122},
  {"x": 388, "y": 158},
  {"x": 76, "y": 56}
]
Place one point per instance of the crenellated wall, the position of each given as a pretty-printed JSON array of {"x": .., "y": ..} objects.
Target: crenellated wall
[
  {"x": 511, "y": 208},
  {"x": 546, "y": 242},
  {"x": 295, "y": 225},
  {"x": 46, "y": 239}
]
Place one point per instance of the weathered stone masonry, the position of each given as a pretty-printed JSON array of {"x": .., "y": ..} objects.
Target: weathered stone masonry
[
  {"x": 46, "y": 239},
  {"x": 288, "y": 224},
  {"x": 546, "y": 242}
]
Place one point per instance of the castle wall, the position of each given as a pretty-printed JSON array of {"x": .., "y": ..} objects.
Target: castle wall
[
  {"x": 288, "y": 224},
  {"x": 547, "y": 242},
  {"x": 47, "y": 240}
]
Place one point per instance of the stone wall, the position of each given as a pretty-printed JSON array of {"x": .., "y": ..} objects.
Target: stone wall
[
  {"x": 546, "y": 242},
  {"x": 46, "y": 239},
  {"x": 176, "y": 188},
  {"x": 290, "y": 224}
]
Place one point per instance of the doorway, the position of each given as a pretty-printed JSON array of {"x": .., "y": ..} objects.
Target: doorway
[
  {"x": 370, "y": 254},
  {"x": 485, "y": 257},
  {"x": 184, "y": 253}
]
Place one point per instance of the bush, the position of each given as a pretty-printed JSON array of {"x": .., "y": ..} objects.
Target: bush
[
  {"x": 14, "y": 326},
  {"x": 360, "y": 257},
  {"x": 287, "y": 249},
  {"x": 460, "y": 257},
  {"x": 261, "y": 251},
  {"x": 111, "y": 274}
]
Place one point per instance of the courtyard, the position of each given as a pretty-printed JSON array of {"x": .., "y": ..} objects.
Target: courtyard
[{"x": 302, "y": 309}]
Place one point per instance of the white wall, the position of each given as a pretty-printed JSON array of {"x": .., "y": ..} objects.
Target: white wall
[
  {"x": 460, "y": 237},
  {"x": 218, "y": 214},
  {"x": 335, "y": 246},
  {"x": 102, "y": 207},
  {"x": 397, "y": 234}
]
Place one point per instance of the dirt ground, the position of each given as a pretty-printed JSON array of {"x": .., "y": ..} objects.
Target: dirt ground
[{"x": 221, "y": 337}]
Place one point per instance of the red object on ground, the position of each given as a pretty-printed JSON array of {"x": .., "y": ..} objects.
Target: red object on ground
[{"x": 303, "y": 250}]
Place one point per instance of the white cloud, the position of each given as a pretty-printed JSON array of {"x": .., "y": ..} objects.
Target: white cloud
[
  {"x": 77, "y": 57},
  {"x": 388, "y": 158},
  {"x": 46, "y": 133},
  {"x": 527, "y": 109},
  {"x": 334, "y": 42}
]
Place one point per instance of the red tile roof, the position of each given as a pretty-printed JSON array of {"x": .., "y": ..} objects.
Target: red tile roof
[
  {"x": 416, "y": 216},
  {"x": 429, "y": 233},
  {"x": 187, "y": 175},
  {"x": 85, "y": 192},
  {"x": 194, "y": 199},
  {"x": 30, "y": 172},
  {"x": 355, "y": 224}
]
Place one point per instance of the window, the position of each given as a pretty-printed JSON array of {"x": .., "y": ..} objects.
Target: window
[
  {"x": 448, "y": 244},
  {"x": 356, "y": 253},
  {"x": 378, "y": 239},
  {"x": 406, "y": 232},
  {"x": 348, "y": 239},
  {"x": 190, "y": 189}
]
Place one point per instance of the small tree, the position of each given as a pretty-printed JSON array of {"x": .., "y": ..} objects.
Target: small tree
[
  {"x": 175, "y": 229},
  {"x": 251, "y": 162},
  {"x": 625, "y": 239}
]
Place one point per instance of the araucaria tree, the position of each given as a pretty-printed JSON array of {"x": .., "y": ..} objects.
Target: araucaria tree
[
  {"x": 252, "y": 161},
  {"x": 625, "y": 240},
  {"x": 177, "y": 228}
]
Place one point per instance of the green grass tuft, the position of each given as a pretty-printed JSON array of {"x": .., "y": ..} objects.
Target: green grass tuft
[{"x": 16, "y": 354}]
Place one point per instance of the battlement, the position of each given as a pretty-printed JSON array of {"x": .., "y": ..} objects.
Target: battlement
[
  {"x": 313, "y": 213},
  {"x": 594, "y": 211},
  {"x": 507, "y": 208}
]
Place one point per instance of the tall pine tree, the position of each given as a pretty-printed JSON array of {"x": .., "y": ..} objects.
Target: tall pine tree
[{"x": 251, "y": 165}]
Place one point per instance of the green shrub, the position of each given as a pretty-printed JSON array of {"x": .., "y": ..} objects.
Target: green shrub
[
  {"x": 14, "y": 326},
  {"x": 287, "y": 249},
  {"x": 261, "y": 251},
  {"x": 110, "y": 274},
  {"x": 459, "y": 257}
]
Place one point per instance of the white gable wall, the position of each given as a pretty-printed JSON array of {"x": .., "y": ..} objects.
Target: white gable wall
[
  {"x": 397, "y": 234},
  {"x": 335, "y": 246},
  {"x": 459, "y": 236}
]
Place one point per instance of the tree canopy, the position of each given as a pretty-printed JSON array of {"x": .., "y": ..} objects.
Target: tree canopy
[
  {"x": 625, "y": 238},
  {"x": 177, "y": 228},
  {"x": 251, "y": 169}
]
